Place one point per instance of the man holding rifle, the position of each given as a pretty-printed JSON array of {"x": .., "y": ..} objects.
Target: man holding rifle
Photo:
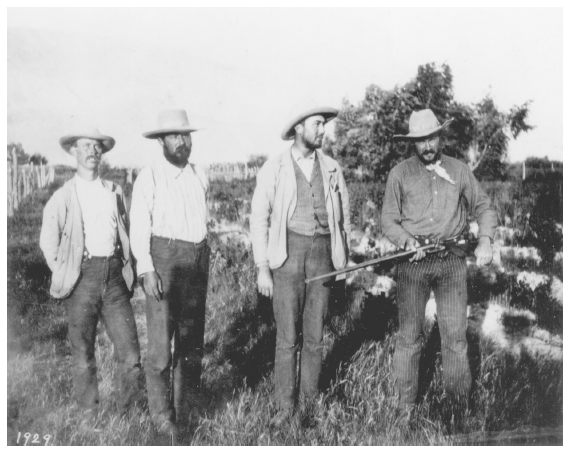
[
  {"x": 299, "y": 226},
  {"x": 428, "y": 198}
]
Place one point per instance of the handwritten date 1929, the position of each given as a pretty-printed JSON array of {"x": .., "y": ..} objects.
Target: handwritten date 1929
[{"x": 32, "y": 438}]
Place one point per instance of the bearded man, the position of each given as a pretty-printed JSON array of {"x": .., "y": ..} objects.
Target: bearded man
[
  {"x": 169, "y": 216},
  {"x": 299, "y": 224},
  {"x": 428, "y": 198}
]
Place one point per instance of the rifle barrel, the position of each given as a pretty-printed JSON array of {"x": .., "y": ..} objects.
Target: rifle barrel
[{"x": 374, "y": 261}]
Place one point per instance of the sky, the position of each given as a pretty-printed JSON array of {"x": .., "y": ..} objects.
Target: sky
[{"x": 241, "y": 72}]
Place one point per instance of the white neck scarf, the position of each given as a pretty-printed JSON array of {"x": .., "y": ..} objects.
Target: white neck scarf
[{"x": 440, "y": 171}]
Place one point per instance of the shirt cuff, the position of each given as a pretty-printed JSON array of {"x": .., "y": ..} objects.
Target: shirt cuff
[
  {"x": 144, "y": 265},
  {"x": 262, "y": 263}
]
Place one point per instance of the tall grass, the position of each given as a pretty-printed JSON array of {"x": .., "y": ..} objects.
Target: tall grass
[{"x": 356, "y": 405}]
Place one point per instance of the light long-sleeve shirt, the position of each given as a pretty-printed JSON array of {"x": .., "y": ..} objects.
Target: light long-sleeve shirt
[
  {"x": 99, "y": 213},
  {"x": 419, "y": 202},
  {"x": 168, "y": 202}
]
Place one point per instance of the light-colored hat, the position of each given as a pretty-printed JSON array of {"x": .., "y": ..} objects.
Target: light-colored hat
[
  {"x": 327, "y": 112},
  {"x": 170, "y": 122},
  {"x": 423, "y": 124},
  {"x": 93, "y": 133}
]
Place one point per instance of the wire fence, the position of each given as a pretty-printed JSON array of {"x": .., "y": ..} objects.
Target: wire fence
[{"x": 230, "y": 172}]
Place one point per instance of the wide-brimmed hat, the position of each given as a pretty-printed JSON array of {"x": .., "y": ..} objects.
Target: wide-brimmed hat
[
  {"x": 423, "y": 124},
  {"x": 328, "y": 114},
  {"x": 171, "y": 122},
  {"x": 93, "y": 133}
]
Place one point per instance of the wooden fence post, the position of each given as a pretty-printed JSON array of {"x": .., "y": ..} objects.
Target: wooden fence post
[
  {"x": 15, "y": 179},
  {"x": 10, "y": 197}
]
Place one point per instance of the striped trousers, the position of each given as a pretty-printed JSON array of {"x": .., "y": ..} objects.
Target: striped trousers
[{"x": 447, "y": 277}]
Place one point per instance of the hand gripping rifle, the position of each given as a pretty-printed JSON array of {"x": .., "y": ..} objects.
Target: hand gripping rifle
[{"x": 457, "y": 244}]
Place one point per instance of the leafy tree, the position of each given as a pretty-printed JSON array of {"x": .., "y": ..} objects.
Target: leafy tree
[
  {"x": 478, "y": 135},
  {"x": 256, "y": 160}
]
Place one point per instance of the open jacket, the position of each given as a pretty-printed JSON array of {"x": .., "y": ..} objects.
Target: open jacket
[
  {"x": 274, "y": 202},
  {"x": 62, "y": 240}
]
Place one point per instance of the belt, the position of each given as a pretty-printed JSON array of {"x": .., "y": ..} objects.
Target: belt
[
  {"x": 87, "y": 256},
  {"x": 458, "y": 245},
  {"x": 202, "y": 243}
]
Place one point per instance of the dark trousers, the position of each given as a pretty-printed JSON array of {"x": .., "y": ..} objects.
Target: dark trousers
[
  {"x": 183, "y": 268},
  {"x": 447, "y": 277},
  {"x": 300, "y": 311},
  {"x": 102, "y": 293}
]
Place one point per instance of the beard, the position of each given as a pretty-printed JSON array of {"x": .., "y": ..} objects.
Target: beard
[
  {"x": 314, "y": 143},
  {"x": 429, "y": 156},
  {"x": 179, "y": 156}
]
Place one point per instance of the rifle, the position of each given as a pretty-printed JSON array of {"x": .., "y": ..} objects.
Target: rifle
[{"x": 433, "y": 247}]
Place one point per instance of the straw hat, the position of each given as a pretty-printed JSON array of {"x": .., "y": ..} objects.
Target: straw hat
[
  {"x": 423, "y": 124},
  {"x": 171, "y": 122},
  {"x": 92, "y": 133}
]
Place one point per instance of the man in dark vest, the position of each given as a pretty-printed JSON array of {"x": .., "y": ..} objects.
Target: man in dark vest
[{"x": 300, "y": 225}]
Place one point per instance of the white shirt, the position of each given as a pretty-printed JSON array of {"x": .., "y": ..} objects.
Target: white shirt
[
  {"x": 99, "y": 214},
  {"x": 305, "y": 163},
  {"x": 169, "y": 202}
]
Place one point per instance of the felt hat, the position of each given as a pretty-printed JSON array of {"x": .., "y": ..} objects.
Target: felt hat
[
  {"x": 423, "y": 124},
  {"x": 93, "y": 133},
  {"x": 327, "y": 112},
  {"x": 171, "y": 122}
]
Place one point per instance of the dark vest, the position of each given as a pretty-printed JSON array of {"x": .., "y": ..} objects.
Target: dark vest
[{"x": 310, "y": 214}]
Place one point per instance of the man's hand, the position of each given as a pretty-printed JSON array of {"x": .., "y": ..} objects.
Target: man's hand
[
  {"x": 153, "y": 285},
  {"x": 413, "y": 244},
  {"x": 265, "y": 281},
  {"x": 484, "y": 252}
]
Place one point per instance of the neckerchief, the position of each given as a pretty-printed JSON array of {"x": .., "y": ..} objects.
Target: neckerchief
[{"x": 440, "y": 171}]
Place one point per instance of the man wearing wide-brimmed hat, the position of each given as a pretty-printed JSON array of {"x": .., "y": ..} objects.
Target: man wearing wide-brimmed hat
[
  {"x": 300, "y": 224},
  {"x": 169, "y": 216},
  {"x": 85, "y": 241},
  {"x": 428, "y": 198}
]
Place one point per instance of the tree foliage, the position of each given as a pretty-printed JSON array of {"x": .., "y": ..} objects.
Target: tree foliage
[
  {"x": 256, "y": 160},
  {"x": 37, "y": 159},
  {"x": 479, "y": 134}
]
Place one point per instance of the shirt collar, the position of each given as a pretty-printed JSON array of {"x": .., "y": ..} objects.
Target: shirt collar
[{"x": 296, "y": 155}]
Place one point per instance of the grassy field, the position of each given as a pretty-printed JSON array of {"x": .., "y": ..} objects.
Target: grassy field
[{"x": 518, "y": 385}]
